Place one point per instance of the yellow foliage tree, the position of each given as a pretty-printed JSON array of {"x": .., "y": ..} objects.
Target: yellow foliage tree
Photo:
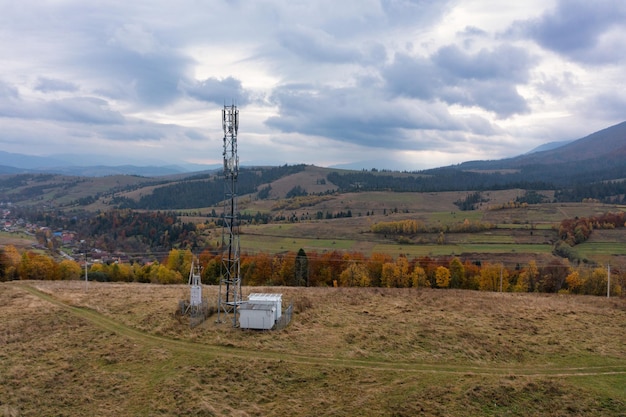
[
  {"x": 419, "y": 277},
  {"x": 179, "y": 260},
  {"x": 355, "y": 275},
  {"x": 165, "y": 275},
  {"x": 396, "y": 274},
  {"x": 127, "y": 273},
  {"x": 490, "y": 277},
  {"x": 457, "y": 273},
  {"x": 69, "y": 269},
  {"x": 527, "y": 280},
  {"x": 35, "y": 266},
  {"x": 442, "y": 277},
  {"x": 574, "y": 282},
  {"x": 404, "y": 278},
  {"x": 596, "y": 282},
  {"x": 388, "y": 274}
]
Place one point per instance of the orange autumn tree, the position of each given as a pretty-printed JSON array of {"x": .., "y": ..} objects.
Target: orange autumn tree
[
  {"x": 259, "y": 269},
  {"x": 375, "y": 266},
  {"x": 288, "y": 268},
  {"x": 11, "y": 261}
]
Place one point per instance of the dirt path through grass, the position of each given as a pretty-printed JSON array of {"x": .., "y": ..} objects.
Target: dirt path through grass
[{"x": 185, "y": 347}]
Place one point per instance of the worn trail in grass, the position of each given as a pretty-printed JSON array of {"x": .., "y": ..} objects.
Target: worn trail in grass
[
  {"x": 118, "y": 349},
  {"x": 192, "y": 348}
]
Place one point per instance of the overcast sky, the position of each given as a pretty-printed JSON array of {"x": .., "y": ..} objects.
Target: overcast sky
[{"x": 404, "y": 84}]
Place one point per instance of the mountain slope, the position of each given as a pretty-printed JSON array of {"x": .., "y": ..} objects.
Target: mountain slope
[
  {"x": 602, "y": 150},
  {"x": 609, "y": 143},
  {"x": 548, "y": 146}
]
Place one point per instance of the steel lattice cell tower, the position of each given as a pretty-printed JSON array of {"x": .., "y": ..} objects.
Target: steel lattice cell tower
[{"x": 229, "y": 296}]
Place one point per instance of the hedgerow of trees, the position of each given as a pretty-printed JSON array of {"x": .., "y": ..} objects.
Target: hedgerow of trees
[
  {"x": 412, "y": 227},
  {"x": 333, "y": 268}
]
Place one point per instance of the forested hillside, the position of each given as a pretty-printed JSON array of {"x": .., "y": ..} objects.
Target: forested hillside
[
  {"x": 441, "y": 180},
  {"x": 205, "y": 190},
  {"x": 571, "y": 184}
]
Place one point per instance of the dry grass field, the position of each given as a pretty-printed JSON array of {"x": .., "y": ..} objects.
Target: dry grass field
[
  {"x": 19, "y": 239},
  {"x": 70, "y": 349}
]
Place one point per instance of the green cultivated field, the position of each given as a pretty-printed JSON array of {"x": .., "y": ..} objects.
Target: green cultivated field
[
  {"x": 255, "y": 244},
  {"x": 592, "y": 250},
  {"x": 521, "y": 234}
]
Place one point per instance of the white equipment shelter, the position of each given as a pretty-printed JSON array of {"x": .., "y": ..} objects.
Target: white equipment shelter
[{"x": 261, "y": 311}]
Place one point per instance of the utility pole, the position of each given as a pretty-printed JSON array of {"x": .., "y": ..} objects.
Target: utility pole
[
  {"x": 85, "y": 257},
  {"x": 86, "y": 280},
  {"x": 608, "y": 284}
]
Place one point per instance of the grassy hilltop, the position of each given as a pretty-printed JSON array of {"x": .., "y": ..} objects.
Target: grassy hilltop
[{"x": 120, "y": 349}]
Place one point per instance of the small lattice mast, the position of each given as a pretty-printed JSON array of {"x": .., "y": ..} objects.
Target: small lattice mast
[
  {"x": 195, "y": 286},
  {"x": 229, "y": 296},
  {"x": 197, "y": 307}
]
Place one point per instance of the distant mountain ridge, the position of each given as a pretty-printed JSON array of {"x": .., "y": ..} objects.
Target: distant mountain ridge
[
  {"x": 28, "y": 162},
  {"x": 598, "y": 151},
  {"x": 12, "y": 163}
]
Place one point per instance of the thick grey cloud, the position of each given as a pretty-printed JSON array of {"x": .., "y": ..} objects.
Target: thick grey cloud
[
  {"x": 213, "y": 90},
  {"x": 78, "y": 109},
  {"x": 357, "y": 116},
  {"x": 410, "y": 76},
  {"x": 341, "y": 114},
  {"x": 504, "y": 62},
  {"x": 500, "y": 97},
  {"x": 83, "y": 110},
  {"x": 150, "y": 79},
  {"x": 485, "y": 79},
  {"x": 575, "y": 28}
]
